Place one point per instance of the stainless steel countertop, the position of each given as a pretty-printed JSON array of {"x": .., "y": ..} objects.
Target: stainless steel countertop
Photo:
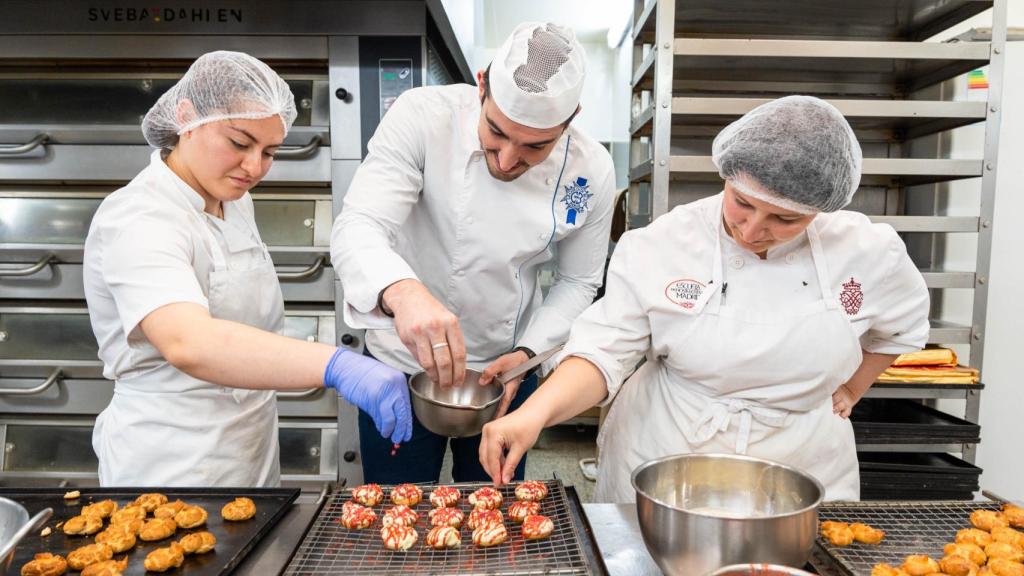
[
  {"x": 272, "y": 553},
  {"x": 618, "y": 537}
]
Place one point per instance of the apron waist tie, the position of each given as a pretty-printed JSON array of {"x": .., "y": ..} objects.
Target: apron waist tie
[{"x": 719, "y": 412}]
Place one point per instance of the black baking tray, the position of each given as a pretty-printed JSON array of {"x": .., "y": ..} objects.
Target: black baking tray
[
  {"x": 234, "y": 539},
  {"x": 882, "y": 421},
  {"x": 916, "y": 462}
]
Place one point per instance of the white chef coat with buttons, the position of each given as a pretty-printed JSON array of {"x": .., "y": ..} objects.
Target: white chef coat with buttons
[
  {"x": 775, "y": 401},
  {"x": 423, "y": 205}
]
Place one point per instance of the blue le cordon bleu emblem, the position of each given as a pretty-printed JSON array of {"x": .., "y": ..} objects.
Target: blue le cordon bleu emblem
[{"x": 577, "y": 195}]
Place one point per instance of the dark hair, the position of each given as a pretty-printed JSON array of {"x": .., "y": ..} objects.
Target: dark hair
[{"x": 487, "y": 94}]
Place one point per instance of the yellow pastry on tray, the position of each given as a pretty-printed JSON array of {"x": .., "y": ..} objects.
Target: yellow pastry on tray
[
  {"x": 151, "y": 501},
  {"x": 239, "y": 509},
  {"x": 190, "y": 516},
  {"x": 128, "y": 514},
  {"x": 107, "y": 568},
  {"x": 79, "y": 558},
  {"x": 920, "y": 565},
  {"x": 157, "y": 529},
  {"x": 163, "y": 559},
  {"x": 120, "y": 537},
  {"x": 83, "y": 525},
  {"x": 168, "y": 510},
  {"x": 45, "y": 564},
  {"x": 198, "y": 542},
  {"x": 103, "y": 508}
]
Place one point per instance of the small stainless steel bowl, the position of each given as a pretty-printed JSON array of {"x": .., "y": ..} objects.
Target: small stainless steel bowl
[
  {"x": 14, "y": 525},
  {"x": 456, "y": 411},
  {"x": 699, "y": 512},
  {"x": 759, "y": 570}
]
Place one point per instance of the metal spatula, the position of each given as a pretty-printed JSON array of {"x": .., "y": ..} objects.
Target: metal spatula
[{"x": 530, "y": 364}]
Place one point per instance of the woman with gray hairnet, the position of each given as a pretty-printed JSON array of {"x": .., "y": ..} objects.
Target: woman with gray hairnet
[
  {"x": 185, "y": 303},
  {"x": 765, "y": 313}
]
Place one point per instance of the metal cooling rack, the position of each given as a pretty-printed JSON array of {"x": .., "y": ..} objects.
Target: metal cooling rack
[
  {"x": 330, "y": 548},
  {"x": 910, "y": 528}
]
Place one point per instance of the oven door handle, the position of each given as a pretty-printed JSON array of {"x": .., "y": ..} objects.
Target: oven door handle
[
  {"x": 306, "y": 274},
  {"x": 302, "y": 394},
  {"x": 30, "y": 270},
  {"x": 25, "y": 148},
  {"x": 52, "y": 379},
  {"x": 298, "y": 152}
]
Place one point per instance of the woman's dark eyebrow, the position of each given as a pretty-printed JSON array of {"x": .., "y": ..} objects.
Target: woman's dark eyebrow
[{"x": 253, "y": 138}]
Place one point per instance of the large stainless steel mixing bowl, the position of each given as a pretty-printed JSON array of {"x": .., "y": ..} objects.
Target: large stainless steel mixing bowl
[
  {"x": 14, "y": 525},
  {"x": 759, "y": 570},
  {"x": 456, "y": 411},
  {"x": 700, "y": 512}
]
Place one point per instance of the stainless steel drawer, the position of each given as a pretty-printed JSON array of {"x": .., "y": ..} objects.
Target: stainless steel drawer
[
  {"x": 36, "y": 340},
  {"x": 57, "y": 448},
  {"x": 42, "y": 233}
]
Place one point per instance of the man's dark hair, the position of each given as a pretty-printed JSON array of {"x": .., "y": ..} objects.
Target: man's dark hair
[{"x": 487, "y": 94}]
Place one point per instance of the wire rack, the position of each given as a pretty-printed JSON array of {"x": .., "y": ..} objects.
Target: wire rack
[
  {"x": 330, "y": 548},
  {"x": 910, "y": 528}
]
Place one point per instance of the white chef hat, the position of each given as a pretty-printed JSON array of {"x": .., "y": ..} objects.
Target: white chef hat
[{"x": 536, "y": 77}]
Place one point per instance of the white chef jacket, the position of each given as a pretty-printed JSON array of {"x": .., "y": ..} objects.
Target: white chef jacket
[
  {"x": 145, "y": 251},
  {"x": 696, "y": 393},
  {"x": 868, "y": 266},
  {"x": 423, "y": 205}
]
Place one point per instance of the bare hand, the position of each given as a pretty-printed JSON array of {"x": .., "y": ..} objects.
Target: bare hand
[
  {"x": 500, "y": 366},
  {"x": 430, "y": 332},
  {"x": 504, "y": 442},
  {"x": 843, "y": 401}
]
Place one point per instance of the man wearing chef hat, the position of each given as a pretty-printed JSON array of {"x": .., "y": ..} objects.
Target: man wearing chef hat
[{"x": 464, "y": 194}]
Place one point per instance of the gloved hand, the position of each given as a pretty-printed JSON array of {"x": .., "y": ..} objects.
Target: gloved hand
[{"x": 377, "y": 389}]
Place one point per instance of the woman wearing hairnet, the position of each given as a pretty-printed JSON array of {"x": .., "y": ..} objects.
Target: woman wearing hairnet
[
  {"x": 764, "y": 312},
  {"x": 185, "y": 303}
]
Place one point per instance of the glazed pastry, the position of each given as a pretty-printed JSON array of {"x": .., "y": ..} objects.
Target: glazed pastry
[
  {"x": 45, "y": 564},
  {"x": 866, "y": 534},
  {"x": 443, "y": 537},
  {"x": 407, "y": 494},
  {"x": 157, "y": 529},
  {"x": 1008, "y": 535},
  {"x": 103, "y": 509},
  {"x": 397, "y": 537},
  {"x": 87, "y": 555},
  {"x": 239, "y": 509},
  {"x": 107, "y": 568},
  {"x": 537, "y": 527},
  {"x": 1014, "y": 515},
  {"x": 490, "y": 534},
  {"x": 973, "y": 536},
  {"x": 163, "y": 559},
  {"x": 988, "y": 519},
  {"x": 120, "y": 537},
  {"x": 368, "y": 494},
  {"x": 198, "y": 542},
  {"x": 190, "y": 516},
  {"x": 1004, "y": 567},
  {"x": 518, "y": 511},
  {"x": 356, "y": 517},
  {"x": 481, "y": 517},
  {"x": 1010, "y": 552},
  {"x": 151, "y": 501},
  {"x": 958, "y": 566},
  {"x": 972, "y": 552},
  {"x": 919, "y": 565},
  {"x": 531, "y": 491},
  {"x": 400, "y": 515},
  {"x": 83, "y": 525},
  {"x": 447, "y": 517},
  {"x": 444, "y": 497},
  {"x": 486, "y": 498},
  {"x": 168, "y": 510},
  {"x": 127, "y": 514},
  {"x": 837, "y": 533}
]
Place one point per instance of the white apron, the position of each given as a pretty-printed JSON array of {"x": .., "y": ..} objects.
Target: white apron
[
  {"x": 760, "y": 383},
  {"x": 166, "y": 428}
]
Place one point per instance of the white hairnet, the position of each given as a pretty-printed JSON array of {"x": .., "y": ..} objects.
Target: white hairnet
[
  {"x": 537, "y": 75},
  {"x": 797, "y": 152},
  {"x": 218, "y": 86}
]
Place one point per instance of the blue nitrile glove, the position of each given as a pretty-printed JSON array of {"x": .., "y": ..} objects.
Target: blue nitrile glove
[{"x": 377, "y": 389}]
